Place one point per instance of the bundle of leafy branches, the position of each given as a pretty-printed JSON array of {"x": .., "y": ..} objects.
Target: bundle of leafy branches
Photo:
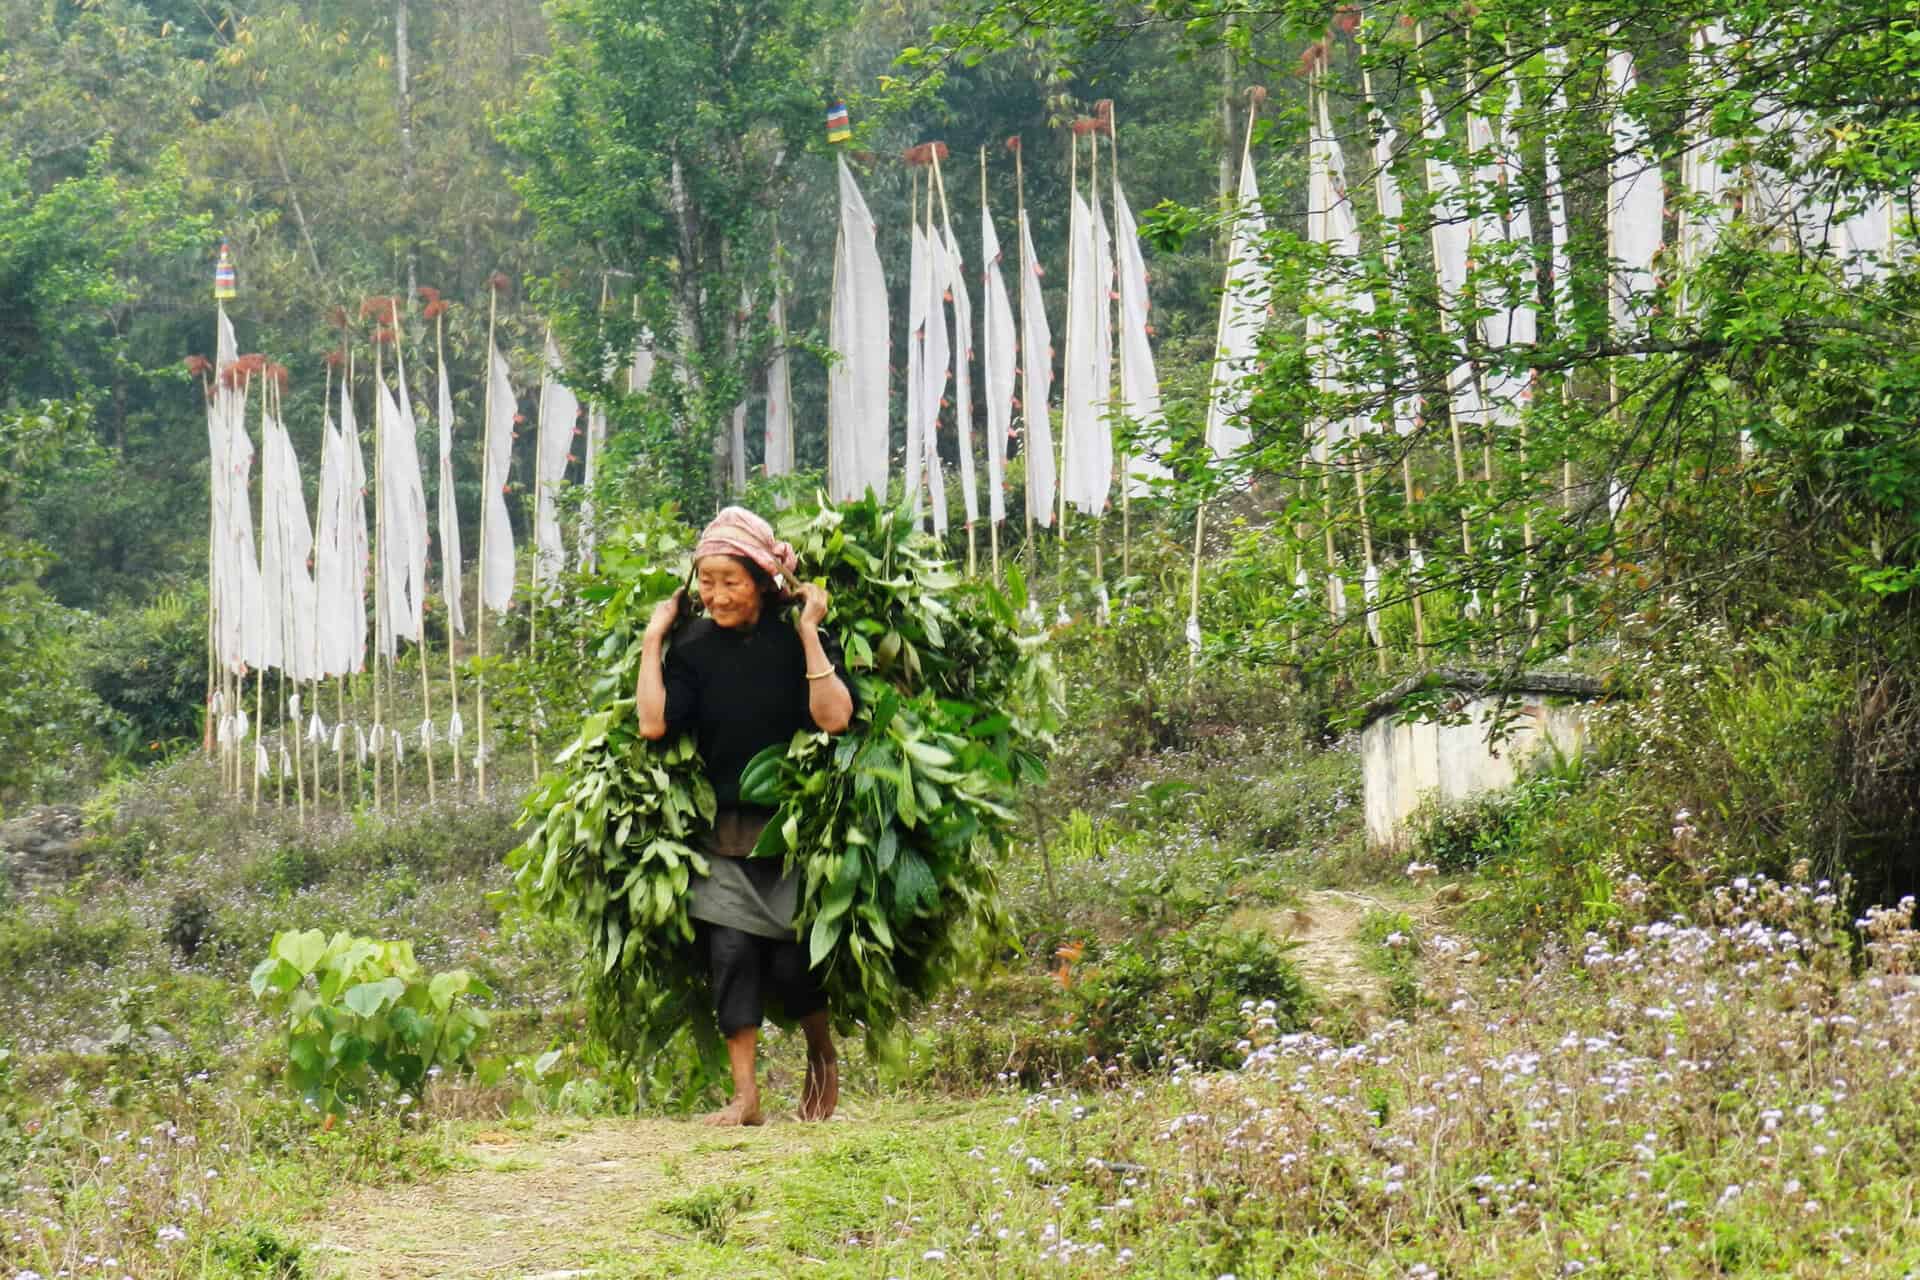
[{"x": 893, "y": 825}]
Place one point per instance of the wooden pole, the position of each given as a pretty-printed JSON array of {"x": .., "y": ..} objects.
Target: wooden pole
[
  {"x": 533, "y": 570},
  {"x": 259, "y": 733},
  {"x": 378, "y": 733},
  {"x": 959, "y": 355},
  {"x": 993, "y": 526},
  {"x": 260, "y": 676},
  {"x": 486, "y": 505},
  {"x": 1200, "y": 506},
  {"x": 1126, "y": 459},
  {"x": 1406, "y": 464},
  {"x": 451, "y": 573},
  {"x": 1026, "y": 401},
  {"x": 420, "y": 653},
  {"x": 216, "y": 471},
  {"x": 1060, "y": 468}
]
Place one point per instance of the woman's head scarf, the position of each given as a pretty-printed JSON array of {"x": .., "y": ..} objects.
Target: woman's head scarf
[{"x": 736, "y": 531}]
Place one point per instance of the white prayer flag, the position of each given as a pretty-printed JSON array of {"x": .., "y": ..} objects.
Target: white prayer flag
[
  {"x": 450, "y": 557},
  {"x": 1036, "y": 361},
  {"x": 1001, "y": 360},
  {"x": 859, "y": 337}
]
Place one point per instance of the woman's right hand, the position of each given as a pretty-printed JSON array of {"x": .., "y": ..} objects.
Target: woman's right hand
[{"x": 664, "y": 615}]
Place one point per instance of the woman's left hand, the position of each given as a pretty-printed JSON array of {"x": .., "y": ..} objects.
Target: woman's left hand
[{"x": 813, "y": 604}]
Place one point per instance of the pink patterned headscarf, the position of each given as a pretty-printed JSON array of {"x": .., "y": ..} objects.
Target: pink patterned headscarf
[{"x": 736, "y": 531}]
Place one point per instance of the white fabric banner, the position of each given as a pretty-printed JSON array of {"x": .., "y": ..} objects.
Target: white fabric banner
[
  {"x": 1243, "y": 314},
  {"x": 1001, "y": 359},
  {"x": 1036, "y": 361},
  {"x": 935, "y": 369},
  {"x": 860, "y": 338},
  {"x": 355, "y": 544},
  {"x": 497, "y": 555},
  {"x": 1635, "y": 200},
  {"x": 1139, "y": 380},
  {"x": 962, "y": 372},
  {"x": 779, "y": 441},
  {"x": 450, "y": 557},
  {"x": 1079, "y": 413},
  {"x": 916, "y": 401},
  {"x": 559, "y": 416}
]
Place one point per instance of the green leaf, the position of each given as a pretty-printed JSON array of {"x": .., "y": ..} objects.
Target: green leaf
[
  {"x": 301, "y": 950},
  {"x": 369, "y": 998},
  {"x": 821, "y": 942},
  {"x": 446, "y": 986}
]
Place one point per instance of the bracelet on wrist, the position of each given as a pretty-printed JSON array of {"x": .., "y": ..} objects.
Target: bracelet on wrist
[{"x": 819, "y": 675}]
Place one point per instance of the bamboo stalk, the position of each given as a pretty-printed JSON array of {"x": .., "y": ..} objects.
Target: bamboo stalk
[
  {"x": 420, "y": 652},
  {"x": 259, "y": 735},
  {"x": 216, "y": 470},
  {"x": 378, "y": 732},
  {"x": 1126, "y": 459},
  {"x": 993, "y": 526},
  {"x": 486, "y": 505},
  {"x": 1200, "y": 506},
  {"x": 449, "y": 568},
  {"x": 1026, "y": 407},
  {"x": 1060, "y": 469}
]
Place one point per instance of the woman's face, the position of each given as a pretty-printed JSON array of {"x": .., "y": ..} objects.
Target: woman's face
[{"x": 731, "y": 596}]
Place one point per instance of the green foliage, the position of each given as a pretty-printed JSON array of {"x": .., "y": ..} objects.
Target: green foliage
[
  {"x": 1183, "y": 996},
  {"x": 149, "y": 665},
  {"x": 711, "y": 1211},
  {"x": 1393, "y": 951},
  {"x": 891, "y": 824},
  {"x": 1460, "y": 837},
  {"x": 652, "y": 139},
  {"x": 353, "y": 1009}
]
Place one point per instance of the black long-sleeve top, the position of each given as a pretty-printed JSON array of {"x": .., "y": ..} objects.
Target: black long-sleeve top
[{"x": 741, "y": 690}]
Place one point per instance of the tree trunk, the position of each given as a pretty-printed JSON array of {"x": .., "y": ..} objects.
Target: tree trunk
[
  {"x": 400, "y": 42},
  {"x": 689, "y": 294}
]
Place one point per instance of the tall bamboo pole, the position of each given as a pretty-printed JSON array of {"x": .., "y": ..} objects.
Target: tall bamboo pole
[
  {"x": 1026, "y": 401},
  {"x": 420, "y": 606},
  {"x": 215, "y": 472},
  {"x": 378, "y": 733},
  {"x": 1104, "y": 313},
  {"x": 959, "y": 354},
  {"x": 486, "y": 506},
  {"x": 1060, "y": 468},
  {"x": 1200, "y": 504},
  {"x": 993, "y": 526},
  {"x": 533, "y": 570},
  {"x": 449, "y": 568},
  {"x": 1126, "y": 459},
  {"x": 1406, "y": 462},
  {"x": 260, "y": 676}
]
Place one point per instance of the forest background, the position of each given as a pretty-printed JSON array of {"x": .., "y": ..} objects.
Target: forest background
[
  {"x": 1762, "y": 446},
  {"x": 348, "y": 150}
]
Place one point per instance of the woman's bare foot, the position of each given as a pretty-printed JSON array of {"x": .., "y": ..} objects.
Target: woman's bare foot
[
  {"x": 741, "y": 1111},
  {"x": 821, "y": 1093}
]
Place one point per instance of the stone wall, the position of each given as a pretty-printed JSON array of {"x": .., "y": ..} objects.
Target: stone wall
[{"x": 1405, "y": 760}]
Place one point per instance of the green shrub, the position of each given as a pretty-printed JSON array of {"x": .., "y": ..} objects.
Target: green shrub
[
  {"x": 1182, "y": 995},
  {"x": 66, "y": 938},
  {"x": 1393, "y": 951},
  {"x": 355, "y": 1009},
  {"x": 149, "y": 665}
]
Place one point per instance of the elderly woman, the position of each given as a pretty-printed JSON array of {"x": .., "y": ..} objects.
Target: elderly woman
[{"x": 740, "y": 680}]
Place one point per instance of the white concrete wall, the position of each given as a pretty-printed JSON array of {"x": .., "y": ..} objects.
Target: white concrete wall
[{"x": 1404, "y": 762}]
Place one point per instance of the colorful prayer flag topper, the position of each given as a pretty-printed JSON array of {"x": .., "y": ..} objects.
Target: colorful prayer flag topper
[
  {"x": 838, "y": 129},
  {"x": 223, "y": 278}
]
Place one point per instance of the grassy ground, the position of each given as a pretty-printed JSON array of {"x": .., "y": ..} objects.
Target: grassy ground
[{"x": 1232, "y": 1043}]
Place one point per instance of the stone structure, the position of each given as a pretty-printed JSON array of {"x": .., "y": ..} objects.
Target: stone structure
[{"x": 1491, "y": 725}]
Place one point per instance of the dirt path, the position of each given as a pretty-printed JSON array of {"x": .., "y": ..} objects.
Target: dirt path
[
  {"x": 548, "y": 1202},
  {"x": 1331, "y": 955}
]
